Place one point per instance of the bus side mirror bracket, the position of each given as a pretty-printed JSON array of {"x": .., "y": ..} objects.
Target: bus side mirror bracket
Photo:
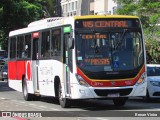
[{"x": 71, "y": 43}]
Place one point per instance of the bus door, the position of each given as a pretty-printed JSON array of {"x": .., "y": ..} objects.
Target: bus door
[
  {"x": 68, "y": 64},
  {"x": 35, "y": 63}
]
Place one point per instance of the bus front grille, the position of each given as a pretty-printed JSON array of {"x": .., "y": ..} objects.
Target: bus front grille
[{"x": 105, "y": 92}]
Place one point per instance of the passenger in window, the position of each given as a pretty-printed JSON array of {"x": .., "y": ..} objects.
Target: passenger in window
[
  {"x": 55, "y": 51},
  {"x": 26, "y": 51}
]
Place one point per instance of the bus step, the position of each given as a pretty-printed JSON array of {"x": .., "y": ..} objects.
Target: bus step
[{"x": 37, "y": 93}]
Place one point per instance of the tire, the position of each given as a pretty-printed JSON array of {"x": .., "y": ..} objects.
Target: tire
[
  {"x": 64, "y": 102},
  {"x": 147, "y": 97},
  {"x": 119, "y": 101},
  {"x": 27, "y": 96}
]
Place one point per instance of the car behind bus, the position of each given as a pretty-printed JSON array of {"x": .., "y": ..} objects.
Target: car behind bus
[{"x": 153, "y": 81}]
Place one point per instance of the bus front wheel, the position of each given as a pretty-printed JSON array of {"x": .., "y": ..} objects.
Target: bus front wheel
[
  {"x": 147, "y": 97},
  {"x": 119, "y": 101},
  {"x": 64, "y": 102},
  {"x": 27, "y": 96}
]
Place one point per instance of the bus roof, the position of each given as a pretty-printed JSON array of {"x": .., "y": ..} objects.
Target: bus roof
[
  {"x": 104, "y": 16},
  {"x": 59, "y": 21}
]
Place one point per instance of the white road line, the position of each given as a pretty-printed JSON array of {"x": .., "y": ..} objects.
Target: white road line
[
  {"x": 3, "y": 98},
  {"x": 23, "y": 102},
  {"x": 102, "y": 118},
  {"x": 55, "y": 109},
  {"x": 42, "y": 106},
  {"x": 32, "y": 104}
]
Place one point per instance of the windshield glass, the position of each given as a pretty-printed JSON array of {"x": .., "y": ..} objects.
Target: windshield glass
[
  {"x": 109, "y": 51},
  {"x": 153, "y": 71}
]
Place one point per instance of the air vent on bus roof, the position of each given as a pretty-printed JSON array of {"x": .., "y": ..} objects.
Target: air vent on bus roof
[{"x": 44, "y": 21}]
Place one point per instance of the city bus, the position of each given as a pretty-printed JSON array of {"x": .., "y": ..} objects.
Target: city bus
[{"x": 79, "y": 57}]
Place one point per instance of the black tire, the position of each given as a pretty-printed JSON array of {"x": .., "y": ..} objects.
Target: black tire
[
  {"x": 64, "y": 102},
  {"x": 147, "y": 97},
  {"x": 119, "y": 101},
  {"x": 2, "y": 79},
  {"x": 27, "y": 96}
]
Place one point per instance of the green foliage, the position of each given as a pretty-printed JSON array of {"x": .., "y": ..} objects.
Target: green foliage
[
  {"x": 129, "y": 7},
  {"x": 153, "y": 51},
  {"x": 49, "y": 6},
  {"x": 15, "y": 14},
  {"x": 148, "y": 11}
]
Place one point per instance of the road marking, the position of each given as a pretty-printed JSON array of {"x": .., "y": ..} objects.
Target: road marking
[
  {"x": 32, "y": 104},
  {"x": 102, "y": 118},
  {"x": 54, "y": 109},
  {"x": 3, "y": 98},
  {"x": 23, "y": 102},
  {"x": 42, "y": 106}
]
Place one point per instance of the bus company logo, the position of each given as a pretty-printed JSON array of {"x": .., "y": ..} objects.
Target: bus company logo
[
  {"x": 28, "y": 70},
  {"x": 6, "y": 114},
  {"x": 129, "y": 82},
  {"x": 97, "y": 84},
  {"x": 113, "y": 83}
]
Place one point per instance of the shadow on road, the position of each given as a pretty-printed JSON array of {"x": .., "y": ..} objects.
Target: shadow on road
[
  {"x": 4, "y": 86},
  {"x": 100, "y": 105}
]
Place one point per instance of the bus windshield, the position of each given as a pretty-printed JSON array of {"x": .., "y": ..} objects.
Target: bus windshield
[{"x": 109, "y": 51}]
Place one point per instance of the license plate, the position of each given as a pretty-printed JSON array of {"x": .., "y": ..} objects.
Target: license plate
[{"x": 113, "y": 95}]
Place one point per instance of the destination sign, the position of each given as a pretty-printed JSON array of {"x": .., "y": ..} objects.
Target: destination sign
[
  {"x": 89, "y": 36},
  {"x": 101, "y": 61},
  {"x": 107, "y": 23},
  {"x": 103, "y": 24}
]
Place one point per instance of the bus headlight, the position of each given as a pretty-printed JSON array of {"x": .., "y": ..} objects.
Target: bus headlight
[
  {"x": 141, "y": 79},
  {"x": 81, "y": 81}
]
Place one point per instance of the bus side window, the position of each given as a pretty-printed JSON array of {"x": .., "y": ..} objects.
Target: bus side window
[
  {"x": 56, "y": 43},
  {"x": 45, "y": 45},
  {"x": 20, "y": 46},
  {"x": 27, "y": 52},
  {"x": 13, "y": 48}
]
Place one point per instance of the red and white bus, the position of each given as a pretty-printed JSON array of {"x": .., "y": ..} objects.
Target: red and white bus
[{"x": 80, "y": 57}]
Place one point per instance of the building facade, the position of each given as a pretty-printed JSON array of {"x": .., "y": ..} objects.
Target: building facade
[
  {"x": 88, "y": 7},
  {"x": 70, "y": 7}
]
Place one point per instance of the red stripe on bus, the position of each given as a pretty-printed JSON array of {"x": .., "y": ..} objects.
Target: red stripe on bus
[
  {"x": 111, "y": 83},
  {"x": 16, "y": 70}
]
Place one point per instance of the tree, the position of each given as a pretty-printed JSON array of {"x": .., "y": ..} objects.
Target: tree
[
  {"x": 148, "y": 11},
  {"x": 49, "y": 7},
  {"x": 15, "y": 14}
]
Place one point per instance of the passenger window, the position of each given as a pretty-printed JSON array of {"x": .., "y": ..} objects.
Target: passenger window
[
  {"x": 45, "y": 45},
  {"x": 56, "y": 43},
  {"x": 27, "y": 48},
  {"x": 20, "y": 47},
  {"x": 13, "y": 48}
]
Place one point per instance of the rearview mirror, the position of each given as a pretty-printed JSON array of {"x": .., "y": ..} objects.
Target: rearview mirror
[{"x": 70, "y": 43}]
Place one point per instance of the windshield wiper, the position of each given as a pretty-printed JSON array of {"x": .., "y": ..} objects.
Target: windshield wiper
[{"x": 119, "y": 42}]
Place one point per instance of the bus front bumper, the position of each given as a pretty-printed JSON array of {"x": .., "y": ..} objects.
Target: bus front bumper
[{"x": 82, "y": 92}]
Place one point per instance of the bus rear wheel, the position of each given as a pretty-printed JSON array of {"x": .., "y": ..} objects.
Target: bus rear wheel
[
  {"x": 64, "y": 102},
  {"x": 119, "y": 101}
]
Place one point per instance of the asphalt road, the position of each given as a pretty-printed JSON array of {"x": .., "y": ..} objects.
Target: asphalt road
[{"x": 48, "y": 108}]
